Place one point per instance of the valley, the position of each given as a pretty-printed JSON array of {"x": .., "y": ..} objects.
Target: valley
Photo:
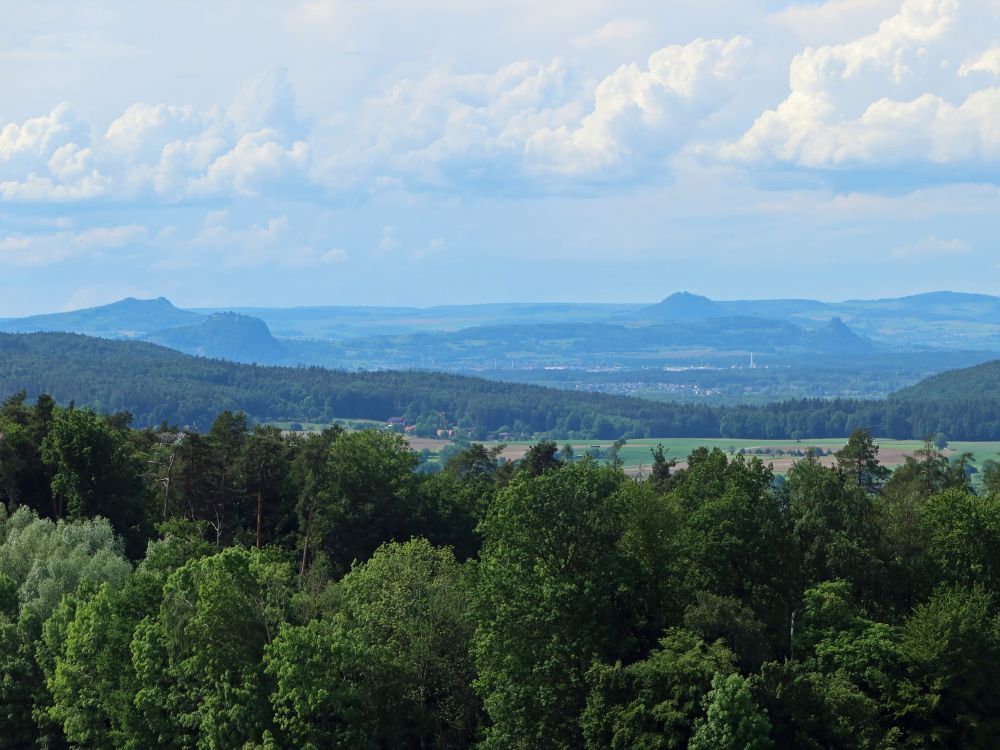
[{"x": 685, "y": 348}]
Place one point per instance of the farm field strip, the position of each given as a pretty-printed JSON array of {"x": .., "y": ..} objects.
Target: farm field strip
[
  {"x": 637, "y": 458},
  {"x": 636, "y": 454}
]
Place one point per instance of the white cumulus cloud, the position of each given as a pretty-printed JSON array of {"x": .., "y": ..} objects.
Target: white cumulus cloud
[
  {"x": 161, "y": 151},
  {"x": 257, "y": 163},
  {"x": 905, "y": 94},
  {"x": 644, "y": 112},
  {"x": 531, "y": 121},
  {"x": 987, "y": 62}
]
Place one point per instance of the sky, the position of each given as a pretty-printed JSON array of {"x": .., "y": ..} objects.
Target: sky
[{"x": 370, "y": 152}]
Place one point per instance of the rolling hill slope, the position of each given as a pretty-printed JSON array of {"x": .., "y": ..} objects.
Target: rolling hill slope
[
  {"x": 123, "y": 319},
  {"x": 681, "y": 306},
  {"x": 978, "y": 383},
  {"x": 230, "y": 336},
  {"x": 158, "y": 384}
]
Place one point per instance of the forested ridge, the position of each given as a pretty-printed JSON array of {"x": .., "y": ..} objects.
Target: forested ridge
[
  {"x": 243, "y": 588},
  {"x": 155, "y": 384},
  {"x": 967, "y": 384}
]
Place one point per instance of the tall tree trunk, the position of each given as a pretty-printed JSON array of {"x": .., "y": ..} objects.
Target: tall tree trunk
[
  {"x": 260, "y": 516},
  {"x": 305, "y": 544},
  {"x": 166, "y": 484}
]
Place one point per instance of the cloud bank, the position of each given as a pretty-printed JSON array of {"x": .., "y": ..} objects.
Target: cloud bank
[
  {"x": 923, "y": 90},
  {"x": 165, "y": 152},
  {"x": 332, "y": 151}
]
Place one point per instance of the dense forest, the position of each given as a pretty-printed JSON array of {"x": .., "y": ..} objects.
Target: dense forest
[
  {"x": 242, "y": 588},
  {"x": 158, "y": 385}
]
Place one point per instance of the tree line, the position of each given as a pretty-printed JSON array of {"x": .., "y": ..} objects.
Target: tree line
[
  {"x": 157, "y": 385},
  {"x": 243, "y": 588}
]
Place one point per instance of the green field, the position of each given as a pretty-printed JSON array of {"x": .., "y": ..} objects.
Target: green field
[
  {"x": 980, "y": 451},
  {"x": 636, "y": 453}
]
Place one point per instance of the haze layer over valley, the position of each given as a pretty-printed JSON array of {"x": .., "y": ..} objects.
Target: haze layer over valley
[{"x": 685, "y": 348}]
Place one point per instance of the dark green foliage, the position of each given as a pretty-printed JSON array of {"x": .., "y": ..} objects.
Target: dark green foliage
[
  {"x": 477, "y": 462},
  {"x": 659, "y": 476},
  {"x": 951, "y": 649},
  {"x": 833, "y": 521},
  {"x": 836, "y": 692},
  {"x": 24, "y": 478},
  {"x": 726, "y": 618},
  {"x": 736, "y": 536},
  {"x": 540, "y": 458},
  {"x": 550, "y": 559},
  {"x": 97, "y": 472},
  {"x": 929, "y": 471},
  {"x": 653, "y": 703},
  {"x": 858, "y": 460},
  {"x": 92, "y": 686},
  {"x": 40, "y": 563},
  {"x": 654, "y": 586},
  {"x": 732, "y": 720},
  {"x": 963, "y": 538},
  {"x": 389, "y": 665},
  {"x": 199, "y": 659},
  {"x": 322, "y": 591},
  {"x": 324, "y": 682},
  {"x": 157, "y": 384},
  {"x": 366, "y": 492},
  {"x": 265, "y": 466},
  {"x": 408, "y": 606},
  {"x": 991, "y": 476}
]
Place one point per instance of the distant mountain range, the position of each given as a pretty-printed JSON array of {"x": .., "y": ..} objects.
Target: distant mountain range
[
  {"x": 864, "y": 314},
  {"x": 127, "y": 318},
  {"x": 684, "y": 327}
]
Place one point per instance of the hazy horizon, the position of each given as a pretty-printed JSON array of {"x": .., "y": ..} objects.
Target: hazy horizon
[{"x": 260, "y": 305}]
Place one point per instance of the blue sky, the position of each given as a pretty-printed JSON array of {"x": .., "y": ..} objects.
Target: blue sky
[{"x": 457, "y": 151}]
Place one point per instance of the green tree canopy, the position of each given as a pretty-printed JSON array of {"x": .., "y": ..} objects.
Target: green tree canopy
[{"x": 732, "y": 721}]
